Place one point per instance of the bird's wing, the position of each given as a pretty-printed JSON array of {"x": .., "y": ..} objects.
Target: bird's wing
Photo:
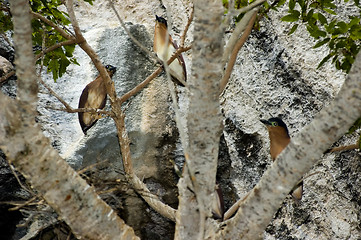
[
  {"x": 82, "y": 102},
  {"x": 180, "y": 58}
]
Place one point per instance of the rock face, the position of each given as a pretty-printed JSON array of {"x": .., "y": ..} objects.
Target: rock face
[{"x": 275, "y": 75}]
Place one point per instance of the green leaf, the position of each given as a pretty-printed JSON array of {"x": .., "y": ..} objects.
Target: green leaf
[
  {"x": 355, "y": 126},
  {"x": 320, "y": 43},
  {"x": 293, "y": 17},
  {"x": 343, "y": 26},
  {"x": 64, "y": 63},
  {"x": 291, "y": 4},
  {"x": 329, "y": 4},
  {"x": 354, "y": 21},
  {"x": 322, "y": 18},
  {"x": 309, "y": 16},
  {"x": 341, "y": 44},
  {"x": 330, "y": 11},
  {"x": 324, "y": 60},
  {"x": 293, "y": 29},
  {"x": 280, "y": 3},
  {"x": 69, "y": 49},
  {"x": 54, "y": 68},
  {"x": 345, "y": 66}
]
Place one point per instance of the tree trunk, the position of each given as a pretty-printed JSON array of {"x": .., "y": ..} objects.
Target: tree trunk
[
  {"x": 31, "y": 153},
  {"x": 204, "y": 122},
  {"x": 304, "y": 150}
]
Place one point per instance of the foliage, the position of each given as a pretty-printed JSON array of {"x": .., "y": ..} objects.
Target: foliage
[
  {"x": 321, "y": 20},
  {"x": 45, "y": 36},
  {"x": 323, "y": 24}
]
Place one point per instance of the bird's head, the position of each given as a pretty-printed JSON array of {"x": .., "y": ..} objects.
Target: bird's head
[
  {"x": 161, "y": 20},
  {"x": 111, "y": 69},
  {"x": 276, "y": 126}
]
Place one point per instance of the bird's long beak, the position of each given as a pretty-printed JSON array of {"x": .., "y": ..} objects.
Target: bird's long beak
[{"x": 266, "y": 122}]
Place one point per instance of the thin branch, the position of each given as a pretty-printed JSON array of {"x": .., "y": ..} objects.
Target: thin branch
[
  {"x": 343, "y": 148},
  {"x": 251, "y": 6},
  {"x": 190, "y": 19},
  {"x": 55, "y": 46},
  {"x": 235, "y": 35},
  {"x": 21, "y": 205},
  {"x": 91, "y": 53},
  {"x": 53, "y": 25},
  {"x": 143, "y": 84},
  {"x": 141, "y": 188},
  {"x": 230, "y": 212},
  {"x": 6, "y": 77},
  {"x": 237, "y": 47},
  {"x": 67, "y": 106},
  {"x": 88, "y": 110},
  {"x": 18, "y": 180},
  {"x": 146, "y": 50}
]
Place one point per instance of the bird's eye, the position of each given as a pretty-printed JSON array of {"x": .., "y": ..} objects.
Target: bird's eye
[{"x": 275, "y": 124}]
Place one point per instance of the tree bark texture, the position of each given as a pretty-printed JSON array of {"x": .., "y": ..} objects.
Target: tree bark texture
[
  {"x": 204, "y": 120},
  {"x": 304, "y": 150},
  {"x": 31, "y": 153}
]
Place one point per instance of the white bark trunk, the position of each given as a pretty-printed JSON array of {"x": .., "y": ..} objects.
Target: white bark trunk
[
  {"x": 300, "y": 155},
  {"x": 30, "y": 151},
  {"x": 204, "y": 121}
]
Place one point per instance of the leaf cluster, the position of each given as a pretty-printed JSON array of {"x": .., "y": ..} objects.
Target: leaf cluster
[
  {"x": 45, "y": 36},
  {"x": 5, "y": 17},
  {"x": 320, "y": 18}
]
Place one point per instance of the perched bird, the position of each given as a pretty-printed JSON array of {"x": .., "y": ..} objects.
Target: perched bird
[
  {"x": 218, "y": 204},
  {"x": 279, "y": 139},
  {"x": 164, "y": 47},
  {"x": 94, "y": 95}
]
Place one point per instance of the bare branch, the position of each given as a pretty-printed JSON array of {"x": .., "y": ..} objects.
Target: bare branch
[
  {"x": 77, "y": 110},
  {"x": 344, "y": 148},
  {"x": 296, "y": 159},
  {"x": 237, "y": 47},
  {"x": 6, "y": 77},
  {"x": 53, "y": 25},
  {"x": 138, "y": 185},
  {"x": 143, "y": 84},
  {"x": 183, "y": 37},
  {"x": 251, "y": 6},
  {"x": 91, "y": 53},
  {"x": 235, "y": 35},
  {"x": 55, "y": 46},
  {"x": 146, "y": 50}
]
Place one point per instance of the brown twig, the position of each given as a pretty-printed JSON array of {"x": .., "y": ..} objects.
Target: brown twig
[
  {"x": 141, "y": 46},
  {"x": 140, "y": 86},
  {"x": 183, "y": 37},
  {"x": 21, "y": 205},
  {"x": 4, "y": 78},
  {"x": 230, "y": 212},
  {"x": 138, "y": 185},
  {"x": 237, "y": 47},
  {"x": 343, "y": 148},
  {"x": 18, "y": 180},
  {"x": 118, "y": 117},
  {"x": 53, "y": 25},
  {"x": 55, "y": 46},
  {"x": 251, "y": 6}
]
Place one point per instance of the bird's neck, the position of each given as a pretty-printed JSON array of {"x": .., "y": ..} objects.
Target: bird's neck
[
  {"x": 161, "y": 47},
  {"x": 279, "y": 140}
]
